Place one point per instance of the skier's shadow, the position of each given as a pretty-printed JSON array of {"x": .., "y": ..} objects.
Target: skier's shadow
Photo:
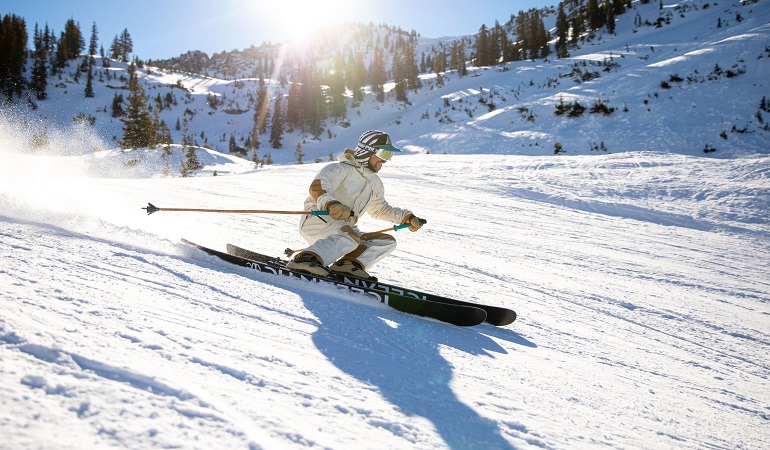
[{"x": 399, "y": 355}]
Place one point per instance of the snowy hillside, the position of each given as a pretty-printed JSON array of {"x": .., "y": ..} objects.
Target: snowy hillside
[
  {"x": 690, "y": 79},
  {"x": 639, "y": 278}
]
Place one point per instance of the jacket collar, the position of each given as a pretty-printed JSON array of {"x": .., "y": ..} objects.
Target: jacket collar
[{"x": 347, "y": 157}]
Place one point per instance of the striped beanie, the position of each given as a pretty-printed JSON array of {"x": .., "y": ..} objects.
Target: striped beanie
[{"x": 366, "y": 143}]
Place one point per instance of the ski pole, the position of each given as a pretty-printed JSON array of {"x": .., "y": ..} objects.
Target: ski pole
[
  {"x": 150, "y": 208},
  {"x": 288, "y": 252}
]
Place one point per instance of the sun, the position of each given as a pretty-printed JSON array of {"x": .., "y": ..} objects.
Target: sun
[{"x": 298, "y": 18}]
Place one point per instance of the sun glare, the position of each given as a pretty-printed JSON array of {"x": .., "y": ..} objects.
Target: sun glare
[{"x": 298, "y": 18}]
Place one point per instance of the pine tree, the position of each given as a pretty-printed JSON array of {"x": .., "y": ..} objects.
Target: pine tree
[
  {"x": 610, "y": 17},
  {"x": 562, "y": 32},
  {"x": 121, "y": 46},
  {"x": 495, "y": 37},
  {"x": 137, "y": 125},
  {"x": 89, "y": 93},
  {"x": 91, "y": 53},
  {"x": 117, "y": 105},
  {"x": 190, "y": 163},
  {"x": 409, "y": 62},
  {"x": 377, "y": 75},
  {"x": 13, "y": 55},
  {"x": 315, "y": 103},
  {"x": 277, "y": 124},
  {"x": 482, "y": 47},
  {"x": 94, "y": 42},
  {"x": 261, "y": 106},
  {"x": 594, "y": 14},
  {"x": 71, "y": 43},
  {"x": 39, "y": 81},
  {"x": 356, "y": 77},
  {"x": 336, "y": 85},
  {"x": 298, "y": 153}
]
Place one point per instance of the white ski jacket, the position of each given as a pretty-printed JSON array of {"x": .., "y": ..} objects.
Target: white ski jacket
[{"x": 356, "y": 187}]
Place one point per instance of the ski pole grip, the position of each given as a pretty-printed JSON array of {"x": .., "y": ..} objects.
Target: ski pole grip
[
  {"x": 407, "y": 225},
  {"x": 326, "y": 213}
]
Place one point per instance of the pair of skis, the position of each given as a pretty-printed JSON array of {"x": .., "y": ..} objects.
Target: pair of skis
[{"x": 410, "y": 301}]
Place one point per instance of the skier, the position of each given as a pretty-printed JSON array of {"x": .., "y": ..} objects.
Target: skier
[{"x": 346, "y": 190}]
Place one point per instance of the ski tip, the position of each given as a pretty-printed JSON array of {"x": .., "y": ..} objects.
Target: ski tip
[{"x": 501, "y": 318}]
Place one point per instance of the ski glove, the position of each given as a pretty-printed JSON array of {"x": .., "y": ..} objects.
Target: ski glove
[
  {"x": 338, "y": 211},
  {"x": 415, "y": 223}
]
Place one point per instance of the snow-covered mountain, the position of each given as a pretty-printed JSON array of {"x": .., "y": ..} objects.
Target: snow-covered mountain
[
  {"x": 639, "y": 274},
  {"x": 690, "y": 79}
]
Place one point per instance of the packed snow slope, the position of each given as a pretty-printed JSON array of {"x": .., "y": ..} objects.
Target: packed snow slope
[{"x": 640, "y": 280}]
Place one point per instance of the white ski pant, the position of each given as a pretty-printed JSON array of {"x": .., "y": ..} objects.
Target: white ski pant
[{"x": 331, "y": 240}]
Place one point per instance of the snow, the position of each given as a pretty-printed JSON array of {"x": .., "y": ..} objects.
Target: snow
[{"x": 640, "y": 277}]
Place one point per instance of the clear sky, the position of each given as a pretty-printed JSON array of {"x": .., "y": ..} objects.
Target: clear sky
[{"x": 166, "y": 28}]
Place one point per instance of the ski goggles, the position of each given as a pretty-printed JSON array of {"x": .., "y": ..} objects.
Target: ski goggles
[{"x": 385, "y": 152}]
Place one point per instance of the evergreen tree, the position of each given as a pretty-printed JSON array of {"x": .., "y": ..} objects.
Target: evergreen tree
[
  {"x": 121, "y": 46},
  {"x": 298, "y": 153},
  {"x": 89, "y": 93},
  {"x": 356, "y": 77},
  {"x": 127, "y": 44},
  {"x": 609, "y": 17},
  {"x": 295, "y": 103},
  {"x": 91, "y": 53},
  {"x": 594, "y": 15},
  {"x": 117, "y": 106},
  {"x": 39, "y": 81},
  {"x": 335, "y": 80},
  {"x": 409, "y": 62},
  {"x": 377, "y": 75},
  {"x": 562, "y": 32},
  {"x": 399, "y": 76},
  {"x": 232, "y": 144},
  {"x": 496, "y": 38},
  {"x": 462, "y": 68},
  {"x": 482, "y": 47},
  {"x": 94, "y": 42},
  {"x": 277, "y": 124},
  {"x": 316, "y": 102},
  {"x": 190, "y": 163},
  {"x": 71, "y": 43},
  {"x": 13, "y": 55},
  {"x": 577, "y": 28},
  {"x": 137, "y": 125},
  {"x": 261, "y": 107}
]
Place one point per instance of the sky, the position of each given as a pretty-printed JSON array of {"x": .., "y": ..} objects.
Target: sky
[{"x": 164, "y": 29}]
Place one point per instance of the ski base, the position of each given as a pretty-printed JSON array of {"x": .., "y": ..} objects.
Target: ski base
[
  {"x": 496, "y": 315},
  {"x": 460, "y": 315}
]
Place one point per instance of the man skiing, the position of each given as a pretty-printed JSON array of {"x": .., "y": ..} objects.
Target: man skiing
[{"x": 346, "y": 190}]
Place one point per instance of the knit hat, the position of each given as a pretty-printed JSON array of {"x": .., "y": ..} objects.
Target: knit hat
[{"x": 371, "y": 142}]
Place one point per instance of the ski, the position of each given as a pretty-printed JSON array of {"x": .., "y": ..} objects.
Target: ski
[
  {"x": 460, "y": 315},
  {"x": 496, "y": 315}
]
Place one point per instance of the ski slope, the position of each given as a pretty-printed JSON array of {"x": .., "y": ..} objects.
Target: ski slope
[{"x": 640, "y": 280}]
